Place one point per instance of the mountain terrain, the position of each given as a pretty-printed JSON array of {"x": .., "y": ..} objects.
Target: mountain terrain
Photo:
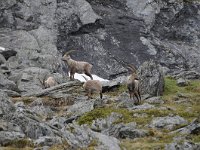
[{"x": 159, "y": 37}]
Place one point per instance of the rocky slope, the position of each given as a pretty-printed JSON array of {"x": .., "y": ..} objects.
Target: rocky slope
[
  {"x": 159, "y": 37},
  {"x": 118, "y": 32}
]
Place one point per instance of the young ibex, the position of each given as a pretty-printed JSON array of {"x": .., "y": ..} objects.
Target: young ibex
[
  {"x": 49, "y": 82},
  {"x": 91, "y": 86},
  {"x": 133, "y": 85},
  {"x": 77, "y": 66}
]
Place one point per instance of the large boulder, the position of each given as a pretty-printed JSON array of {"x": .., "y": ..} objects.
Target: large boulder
[
  {"x": 152, "y": 78},
  {"x": 82, "y": 136},
  {"x": 168, "y": 122},
  {"x": 6, "y": 105},
  {"x": 185, "y": 145},
  {"x": 124, "y": 131},
  {"x": 7, "y": 84}
]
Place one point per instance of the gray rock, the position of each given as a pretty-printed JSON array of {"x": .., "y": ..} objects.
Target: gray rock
[
  {"x": 81, "y": 107},
  {"x": 126, "y": 131},
  {"x": 192, "y": 128},
  {"x": 2, "y": 59},
  {"x": 184, "y": 146},
  {"x": 11, "y": 93},
  {"x": 7, "y": 84},
  {"x": 152, "y": 79},
  {"x": 106, "y": 142},
  {"x": 30, "y": 79},
  {"x": 167, "y": 122},
  {"x": 182, "y": 82},
  {"x": 58, "y": 122},
  {"x": 7, "y": 137},
  {"x": 103, "y": 124},
  {"x": 144, "y": 9},
  {"x": 30, "y": 124},
  {"x": 101, "y": 30},
  {"x": 6, "y": 105},
  {"x": 178, "y": 55},
  {"x": 154, "y": 100},
  {"x": 63, "y": 90},
  {"x": 9, "y": 127},
  {"x": 188, "y": 75},
  {"x": 82, "y": 136},
  {"x": 142, "y": 107},
  {"x": 37, "y": 107},
  {"x": 47, "y": 141}
]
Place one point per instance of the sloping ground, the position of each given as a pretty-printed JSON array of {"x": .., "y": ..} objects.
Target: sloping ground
[{"x": 159, "y": 123}]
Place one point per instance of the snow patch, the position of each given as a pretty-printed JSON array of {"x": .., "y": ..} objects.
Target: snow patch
[
  {"x": 2, "y": 48},
  {"x": 81, "y": 78}
]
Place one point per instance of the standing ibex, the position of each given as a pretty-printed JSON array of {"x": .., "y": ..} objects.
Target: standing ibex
[
  {"x": 133, "y": 85},
  {"x": 91, "y": 86},
  {"x": 77, "y": 66}
]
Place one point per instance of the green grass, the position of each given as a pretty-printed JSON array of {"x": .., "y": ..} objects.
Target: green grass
[
  {"x": 88, "y": 117},
  {"x": 195, "y": 138},
  {"x": 190, "y": 93},
  {"x": 171, "y": 89},
  {"x": 157, "y": 141}
]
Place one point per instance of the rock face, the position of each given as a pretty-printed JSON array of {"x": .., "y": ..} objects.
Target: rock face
[
  {"x": 118, "y": 32},
  {"x": 35, "y": 34},
  {"x": 152, "y": 79},
  {"x": 168, "y": 122},
  {"x": 158, "y": 37}
]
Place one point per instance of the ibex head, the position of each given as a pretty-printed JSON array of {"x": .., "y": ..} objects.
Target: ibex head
[{"x": 66, "y": 56}]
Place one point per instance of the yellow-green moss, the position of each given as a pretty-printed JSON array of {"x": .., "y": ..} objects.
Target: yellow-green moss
[
  {"x": 14, "y": 148},
  {"x": 88, "y": 117},
  {"x": 65, "y": 145},
  {"x": 157, "y": 140},
  {"x": 191, "y": 94},
  {"x": 171, "y": 89},
  {"x": 26, "y": 100},
  {"x": 154, "y": 112},
  {"x": 21, "y": 143},
  {"x": 195, "y": 138}
]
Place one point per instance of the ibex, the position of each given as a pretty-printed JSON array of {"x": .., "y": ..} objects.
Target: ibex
[
  {"x": 77, "y": 66},
  {"x": 133, "y": 85},
  {"x": 91, "y": 86},
  {"x": 49, "y": 82}
]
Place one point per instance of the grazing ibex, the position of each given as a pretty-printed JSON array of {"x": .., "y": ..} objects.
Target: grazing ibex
[
  {"x": 133, "y": 85},
  {"x": 91, "y": 86},
  {"x": 77, "y": 66}
]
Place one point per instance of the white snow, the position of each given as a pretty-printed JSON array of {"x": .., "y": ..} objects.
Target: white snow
[
  {"x": 2, "y": 48},
  {"x": 81, "y": 78}
]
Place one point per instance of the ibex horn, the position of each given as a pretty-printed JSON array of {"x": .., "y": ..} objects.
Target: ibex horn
[
  {"x": 132, "y": 68},
  {"x": 67, "y": 53}
]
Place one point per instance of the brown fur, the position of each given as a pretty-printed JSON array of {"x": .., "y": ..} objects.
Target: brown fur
[
  {"x": 50, "y": 82},
  {"x": 133, "y": 86},
  {"x": 77, "y": 66},
  {"x": 91, "y": 86}
]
